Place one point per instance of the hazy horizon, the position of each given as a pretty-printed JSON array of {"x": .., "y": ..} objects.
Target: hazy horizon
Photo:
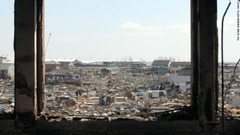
[{"x": 119, "y": 30}]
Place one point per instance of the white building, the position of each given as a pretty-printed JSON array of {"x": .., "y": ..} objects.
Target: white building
[
  {"x": 182, "y": 81},
  {"x": 6, "y": 71}
]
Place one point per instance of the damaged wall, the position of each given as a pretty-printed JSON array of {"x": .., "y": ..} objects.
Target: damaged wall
[
  {"x": 25, "y": 56},
  {"x": 204, "y": 54},
  {"x": 166, "y": 127}
]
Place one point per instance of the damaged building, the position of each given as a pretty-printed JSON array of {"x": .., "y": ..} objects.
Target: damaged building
[
  {"x": 110, "y": 70},
  {"x": 6, "y": 68},
  {"x": 63, "y": 78},
  {"x": 52, "y": 65},
  {"x": 7, "y": 71},
  {"x": 119, "y": 115}
]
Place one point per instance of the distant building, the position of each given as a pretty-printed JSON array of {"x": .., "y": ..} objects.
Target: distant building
[
  {"x": 163, "y": 63},
  {"x": 88, "y": 65},
  {"x": 77, "y": 63},
  {"x": 182, "y": 81},
  {"x": 63, "y": 78},
  {"x": 6, "y": 70},
  {"x": 137, "y": 67},
  {"x": 4, "y": 59},
  {"x": 66, "y": 64},
  {"x": 113, "y": 63},
  {"x": 138, "y": 64},
  {"x": 110, "y": 70},
  {"x": 52, "y": 65},
  {"x": 184, "y": 72},
  {"x": 179, "y": 66},
  {"x": 124, "y": 64},
  {"x": 178, "y": 78},
  {"x": 160, "y": 70}
]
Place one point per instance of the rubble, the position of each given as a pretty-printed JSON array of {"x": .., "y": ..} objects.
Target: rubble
[
  {"x": 6, "y": 96},
  {"x": 121, "y": 94},
  {"x": 91, "y": 93}
]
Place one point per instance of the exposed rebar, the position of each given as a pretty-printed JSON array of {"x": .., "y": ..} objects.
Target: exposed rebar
[{"x": 223, "y": 130}]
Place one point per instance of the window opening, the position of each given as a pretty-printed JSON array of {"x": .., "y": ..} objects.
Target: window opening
[
  {"x": 78, "y": 79},
  {"x": 114, "y": 59},
  {"x": 6, "y": 58}
]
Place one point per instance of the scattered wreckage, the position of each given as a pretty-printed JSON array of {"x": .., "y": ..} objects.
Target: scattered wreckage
[{"x": 116, "y": 93}]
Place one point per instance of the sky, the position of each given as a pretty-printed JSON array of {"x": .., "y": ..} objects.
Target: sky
[{"x": 91, "y": 30}]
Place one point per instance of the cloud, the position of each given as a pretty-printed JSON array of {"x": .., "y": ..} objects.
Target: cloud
[
  {"x": 180, "y": 28},
  {"x": 136, "y": 29},
  {"x": 184, "y": 28},
  {"x": 131, "y": 25}
]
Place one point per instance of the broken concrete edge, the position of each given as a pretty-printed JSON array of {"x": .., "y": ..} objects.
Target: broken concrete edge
[
  {"x": 117, "y": 127},
  {"x": 184, "y": 113},
  {"x": 28, "y": 118}
]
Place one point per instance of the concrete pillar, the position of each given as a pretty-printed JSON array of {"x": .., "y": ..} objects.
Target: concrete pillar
[
  {"x": 207, "y": 59},
  {"x": 25, "y": 60},
  {"x": 194, "y": 57},
  {"x": 40, "y": 56}
]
